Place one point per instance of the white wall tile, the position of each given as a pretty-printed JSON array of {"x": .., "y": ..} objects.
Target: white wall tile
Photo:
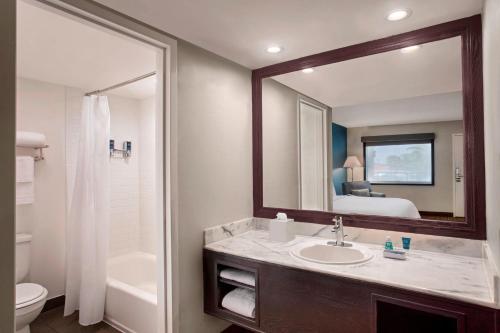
[
  {"x": 125, "y": 182},
  {"x": 147, "y": 175}
]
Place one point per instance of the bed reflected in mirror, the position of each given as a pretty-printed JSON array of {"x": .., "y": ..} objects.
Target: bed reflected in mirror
[{"x": 376, "y": 135}]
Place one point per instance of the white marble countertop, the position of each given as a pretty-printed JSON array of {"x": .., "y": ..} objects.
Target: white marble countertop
[{"x": 456, "y": 277}]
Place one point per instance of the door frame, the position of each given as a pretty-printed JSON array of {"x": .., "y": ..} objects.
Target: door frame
[
  {"x": 106, "y": 17},
  {"x": 324, "y": 110},
  {"x": 7, "y": 163},
  {"x": 453, "y": 136}
]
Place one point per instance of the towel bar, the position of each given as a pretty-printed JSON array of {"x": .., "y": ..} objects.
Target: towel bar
[{"x": 40, "y": 156}]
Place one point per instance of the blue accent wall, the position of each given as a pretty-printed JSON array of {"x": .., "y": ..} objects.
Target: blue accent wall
[{"x": 339, "y": 155}]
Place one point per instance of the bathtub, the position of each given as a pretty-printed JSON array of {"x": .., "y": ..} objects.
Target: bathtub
[{"x": 131, "y": 293}]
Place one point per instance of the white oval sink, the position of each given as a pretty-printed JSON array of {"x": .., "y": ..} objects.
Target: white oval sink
[{"x": 320, "y": 252}]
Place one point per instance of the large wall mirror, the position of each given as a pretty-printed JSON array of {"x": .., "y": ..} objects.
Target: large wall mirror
[{"x": 387, "y": 133}]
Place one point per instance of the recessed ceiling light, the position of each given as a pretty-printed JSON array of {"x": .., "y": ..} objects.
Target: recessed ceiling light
[
  {"x": 398, "y": 14},
  {"x": 409, "y": 49},
  {"x": 274, "y": 49},
  {"x": 308, "y": 70}
]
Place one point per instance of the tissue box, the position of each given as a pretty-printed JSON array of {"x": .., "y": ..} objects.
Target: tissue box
[{"x": 281, "y": 231}]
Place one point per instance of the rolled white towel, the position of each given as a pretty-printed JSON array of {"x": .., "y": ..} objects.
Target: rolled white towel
[
  {"x": 238, "y": 275},
  {"x": 30, "y": 139},
  {"x": 241, "y": 301}
]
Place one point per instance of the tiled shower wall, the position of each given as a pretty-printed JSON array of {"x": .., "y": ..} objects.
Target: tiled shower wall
[
  {"x": 147, "y": 181},
  {"x": 125, "y": 205}
]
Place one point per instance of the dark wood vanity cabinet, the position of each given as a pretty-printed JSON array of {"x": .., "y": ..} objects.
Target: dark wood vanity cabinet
[{"x": 295, "y": 300}]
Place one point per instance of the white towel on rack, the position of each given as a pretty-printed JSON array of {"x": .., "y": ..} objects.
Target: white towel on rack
[
  {"x": 238, "y": 276},
  {"x": 25, "y": 193},
  {"x": 25, "y": 176},
  {"x": 30, "y": 139},
  {"x": 25, "y": 169},
  {"x": 241, "y": 301}
]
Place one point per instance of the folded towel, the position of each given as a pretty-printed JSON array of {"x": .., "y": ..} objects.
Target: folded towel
[
  {"x": 241, "y": 301},
  {"x": 30, "y": 139},
  {"x": 25, "y": 193},
  {"x": 25, "y": 172},
  {"x": 25, "y": 169},
  {"x": 239, "y": 276}
]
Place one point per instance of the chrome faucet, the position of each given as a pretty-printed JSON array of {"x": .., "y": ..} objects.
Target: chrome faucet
[{"x": 338, "y": 229}]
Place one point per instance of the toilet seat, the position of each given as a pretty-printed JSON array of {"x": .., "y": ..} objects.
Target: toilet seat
[{"x": 28, "y": 294}]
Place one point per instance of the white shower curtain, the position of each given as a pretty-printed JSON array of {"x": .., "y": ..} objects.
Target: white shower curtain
[{"x": 88, "y": 223}]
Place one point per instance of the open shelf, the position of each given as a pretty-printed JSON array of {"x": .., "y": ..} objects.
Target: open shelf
[
  {"x": 218, "y": 287},
  {"x": 235, "y": 283},
  {"x": 225, "y": 286},
  {"x": 395, "y": 315}
]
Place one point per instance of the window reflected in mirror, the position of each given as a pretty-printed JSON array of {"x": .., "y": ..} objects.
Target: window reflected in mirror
[{"x": 377, "y": 135}]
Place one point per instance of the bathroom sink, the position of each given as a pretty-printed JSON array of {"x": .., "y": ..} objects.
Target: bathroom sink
[{"x": 322, "y": 253}]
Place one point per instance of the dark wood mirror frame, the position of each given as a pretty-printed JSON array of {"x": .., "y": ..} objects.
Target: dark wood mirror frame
[{"x": 474, "y": 227}]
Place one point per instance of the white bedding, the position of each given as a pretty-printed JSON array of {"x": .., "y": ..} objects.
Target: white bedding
[{"x": 395, "y": 207}]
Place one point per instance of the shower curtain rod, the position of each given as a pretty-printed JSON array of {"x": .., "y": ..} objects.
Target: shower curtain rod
[{"x": 121, "y": 84}]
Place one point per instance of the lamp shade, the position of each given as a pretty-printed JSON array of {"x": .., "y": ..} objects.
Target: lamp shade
[{"x": 352, "y": 162}]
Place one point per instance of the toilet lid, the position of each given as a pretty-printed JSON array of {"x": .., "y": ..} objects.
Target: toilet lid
[{"x": 27, "y": 292}]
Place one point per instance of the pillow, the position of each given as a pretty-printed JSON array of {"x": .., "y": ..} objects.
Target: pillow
[{"x": 361, "y": 193}]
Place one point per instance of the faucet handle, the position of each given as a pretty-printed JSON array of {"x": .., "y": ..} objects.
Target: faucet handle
[
  {"x": 337, "y": 220},
  {"x": 337, "y": 223}
]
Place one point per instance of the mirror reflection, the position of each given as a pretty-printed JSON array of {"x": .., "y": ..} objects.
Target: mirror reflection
[{"x": 377, "y": 135}]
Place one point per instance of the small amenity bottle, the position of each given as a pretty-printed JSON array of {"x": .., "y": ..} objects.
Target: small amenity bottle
[
  {"x": 406, "y": 242},
  {"x": 388, "y": 243}
]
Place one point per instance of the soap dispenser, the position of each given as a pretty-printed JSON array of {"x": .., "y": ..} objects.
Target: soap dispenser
[{"x": 280, "y": 228}]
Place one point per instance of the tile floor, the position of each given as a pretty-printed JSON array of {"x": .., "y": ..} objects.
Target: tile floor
[{"x": 52, "y": 321}]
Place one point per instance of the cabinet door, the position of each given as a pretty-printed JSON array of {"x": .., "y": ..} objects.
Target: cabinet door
[{"x": 293, "y": 300}]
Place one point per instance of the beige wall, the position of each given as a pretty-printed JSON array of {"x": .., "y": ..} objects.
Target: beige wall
[
  {"x": 280, "y": 137},
  {"x": 491, "y": 49},
  {"x": 438, "y": 198},
  {"x": 215, "y": 166},
  {"x": 7, "y": 162},
  {"x": 41, "y": 108}
]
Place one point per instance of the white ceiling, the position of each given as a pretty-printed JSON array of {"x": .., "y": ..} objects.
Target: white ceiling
[
  {"x": 241, "y": 30},
  {"x": 389, "y": 88},
  {"x": 433, "y": 69},
  {"x": 421, "y": 109},
  {"x": 61, "y": 50}
]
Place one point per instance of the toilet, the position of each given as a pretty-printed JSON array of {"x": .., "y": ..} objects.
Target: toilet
[{"x": 30, "y": 297}]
